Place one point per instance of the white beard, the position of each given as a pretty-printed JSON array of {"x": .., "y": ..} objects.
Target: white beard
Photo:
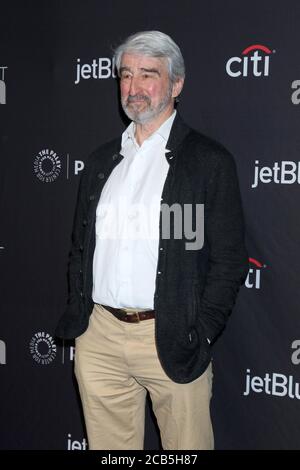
[{"x": 148, "y": 114}]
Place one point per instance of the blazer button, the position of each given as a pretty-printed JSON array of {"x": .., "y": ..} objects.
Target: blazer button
[
  {"x": 115, "y": 156},
  {"x": 81, "y": 247},
  {"x": 92, "y": 197},
  {"x": 84, "y": 222},
  {"x": 100, "y": 176}
]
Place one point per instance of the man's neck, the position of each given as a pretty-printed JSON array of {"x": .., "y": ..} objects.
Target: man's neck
[{"x": 143, "y": 131}]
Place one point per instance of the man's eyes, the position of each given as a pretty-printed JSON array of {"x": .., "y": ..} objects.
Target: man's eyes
[
  {"x": 143, "y": 76},
  {"x": 148, "y": 75}
]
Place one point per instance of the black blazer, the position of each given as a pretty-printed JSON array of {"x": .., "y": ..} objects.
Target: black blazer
[{"x": 195, "y": 289}]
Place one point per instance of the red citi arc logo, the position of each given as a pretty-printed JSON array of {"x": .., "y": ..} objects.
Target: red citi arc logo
[
  {"x": 254, "y": 61},
  {"x": 253, "y": 280}
]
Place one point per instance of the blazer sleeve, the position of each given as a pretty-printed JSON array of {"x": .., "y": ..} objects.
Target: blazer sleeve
[
  {"x": 224, "y": 232},
  {"x": 75, "y": 256}
]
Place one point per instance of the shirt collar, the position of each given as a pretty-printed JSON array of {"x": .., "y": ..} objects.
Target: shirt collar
[{"x": 163, "y": 131}]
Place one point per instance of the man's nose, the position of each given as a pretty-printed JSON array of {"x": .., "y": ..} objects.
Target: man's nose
[{"x": 134, "y": 86}]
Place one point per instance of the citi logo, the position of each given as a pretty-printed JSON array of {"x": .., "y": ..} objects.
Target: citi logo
[
  {"x": 2, "y": 86},
  {"x": 253, "y": 280},
  {"x": 285, "y": 172},
  {"x": 2, "y": 352},
  {"x": 254, "y": 61},
  {"x": 100, "y": 68}
]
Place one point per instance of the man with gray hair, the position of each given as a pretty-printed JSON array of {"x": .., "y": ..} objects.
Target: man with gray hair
[{"x": 146, "y": 304}]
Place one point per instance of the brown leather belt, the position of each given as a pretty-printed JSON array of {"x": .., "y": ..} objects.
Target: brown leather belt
[{"x": 133, "y": 317}]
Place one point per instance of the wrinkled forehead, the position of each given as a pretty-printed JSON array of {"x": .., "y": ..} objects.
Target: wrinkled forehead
[{"x": 136, "y": 62}]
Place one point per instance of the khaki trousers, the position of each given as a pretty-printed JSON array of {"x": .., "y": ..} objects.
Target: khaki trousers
[{"x": 116, "y": 363}]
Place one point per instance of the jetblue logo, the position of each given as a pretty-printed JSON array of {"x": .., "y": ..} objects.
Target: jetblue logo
[
  {"x": 100, "y": 68},
  {"x": 276, "y": 384},
  {"x": 76, "y": 445},
  {"x": 284, "y": 172},
  {"x": 272, "y": 384}
]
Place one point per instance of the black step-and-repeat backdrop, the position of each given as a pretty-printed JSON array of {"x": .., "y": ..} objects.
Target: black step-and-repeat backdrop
[{"x": 58, "y": 102}]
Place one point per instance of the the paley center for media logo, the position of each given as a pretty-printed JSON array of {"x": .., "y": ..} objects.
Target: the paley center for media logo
[
  {"x": 42, "y": 348},
  {"x": 2, "y": 85},
  {"x": 253, "y": 61},
  {"x": 48, "y": 165}
]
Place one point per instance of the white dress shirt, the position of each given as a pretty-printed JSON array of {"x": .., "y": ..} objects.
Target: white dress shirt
[{"x": 127, "y": 222}]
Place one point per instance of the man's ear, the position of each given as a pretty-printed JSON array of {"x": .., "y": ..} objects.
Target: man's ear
[{"x": 177, "y": 87}]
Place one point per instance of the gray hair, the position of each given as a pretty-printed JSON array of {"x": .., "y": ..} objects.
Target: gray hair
[{"x": 153, "y": 44}]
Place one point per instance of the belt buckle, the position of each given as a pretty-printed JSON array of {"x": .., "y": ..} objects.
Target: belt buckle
[
  {"x": 132, "y": 314},
  {"x": 137, "y": 316}
]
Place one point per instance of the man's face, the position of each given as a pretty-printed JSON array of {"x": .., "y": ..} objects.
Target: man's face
[{"x": 146, "y": 90}]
